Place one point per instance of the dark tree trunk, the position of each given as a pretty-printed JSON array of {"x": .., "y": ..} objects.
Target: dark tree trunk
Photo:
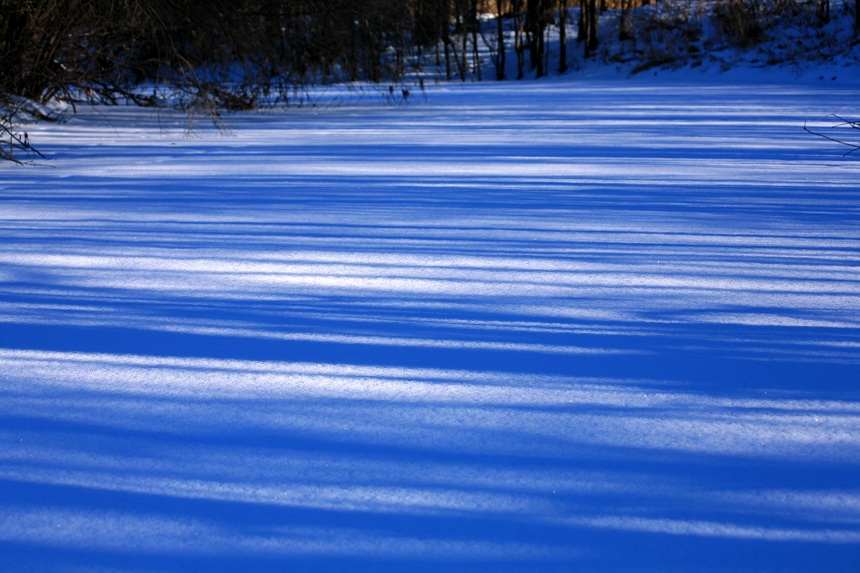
[
  {"x": 533, "y": 33},
  {"x": 500, "y": 40},
  {"x": 473, "y": 27},
  {"x": 581, "y": 27},
  {"x": 624, "y": 25},
  {"x": 446, "y": 39},
  {"x": 823, "y": 11},
  {"x": 591, "y": 41},
  {"x": 517, "y": 7},
  {"x": 857, "y": 17},
  {"x": 562, "y": 38}
]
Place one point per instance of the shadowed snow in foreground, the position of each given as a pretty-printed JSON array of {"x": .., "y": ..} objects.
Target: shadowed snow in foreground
[{"x": 524, "y": 327}]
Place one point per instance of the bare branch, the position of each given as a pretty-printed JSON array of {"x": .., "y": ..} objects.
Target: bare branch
[
  {"x": 844, "y": 123},
  {"x": 13, "y": 141}
]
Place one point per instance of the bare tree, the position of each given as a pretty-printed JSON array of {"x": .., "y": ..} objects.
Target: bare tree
[
  {"x": 624, "y": 24},
  {"x": 538, "y": 17},
  {"x": 562, "y": 37},
  {"x": 519, "y": 47},
  {"x": 500, "y": 40},
  {"x": 588, "y": 25}
]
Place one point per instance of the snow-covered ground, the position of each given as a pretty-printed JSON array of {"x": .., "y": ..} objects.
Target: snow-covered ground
[{"x": 584, "y": 324}]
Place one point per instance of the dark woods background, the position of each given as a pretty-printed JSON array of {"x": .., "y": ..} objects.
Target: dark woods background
[
  {"x": 225, "y": 51},
  {"x": 234, "y": 54}
]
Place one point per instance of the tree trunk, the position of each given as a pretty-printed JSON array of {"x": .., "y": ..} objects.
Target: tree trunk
[
  {"x": 592, "y": 27},
  {"x": 581, "y": 28},
  {"x": 446, "y": 42},
  {"x": 562, "y": 38},
  {"x": 624, "y": 26},
  {"x": 464, "y": 67},
  {"x": 518, "y": 37},
  {"x": 473, "y": 25},
  {"x": 857, "y": 17},
  {"x": 500, "y": 45},
  {"x": 533, "y": 33}
]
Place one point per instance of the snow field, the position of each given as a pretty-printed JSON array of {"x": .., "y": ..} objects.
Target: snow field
[{"x": 569, "y": 325}]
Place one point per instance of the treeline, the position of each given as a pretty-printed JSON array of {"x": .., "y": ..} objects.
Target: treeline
[
  {"x": 232, "y": 53},
  {"x": 218, "y": 54},
  {"x": 224, "y": 52}
]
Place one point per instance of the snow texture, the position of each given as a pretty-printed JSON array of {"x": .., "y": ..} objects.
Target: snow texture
[{"x": 585, "y": 324}]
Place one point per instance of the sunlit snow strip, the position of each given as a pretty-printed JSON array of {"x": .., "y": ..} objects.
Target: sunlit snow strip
[
  {"x": 440, "y": 485},
  {"x": 762, "y": 319},
  {"x": 117, "y": 372},
  {"x": 107, "y": 530},
  {"x": 670, "y": 421},
  {"x": 718, "y": 529},
  {"x": 432, "y": 265},
  {"x": 404, "y": 341},
  {"x": 811, "y": 289},
  {"x": 184, "y": 467}
]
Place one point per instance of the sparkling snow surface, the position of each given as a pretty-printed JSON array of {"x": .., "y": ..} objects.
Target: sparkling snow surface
[{"x": 578, "y": 325}]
